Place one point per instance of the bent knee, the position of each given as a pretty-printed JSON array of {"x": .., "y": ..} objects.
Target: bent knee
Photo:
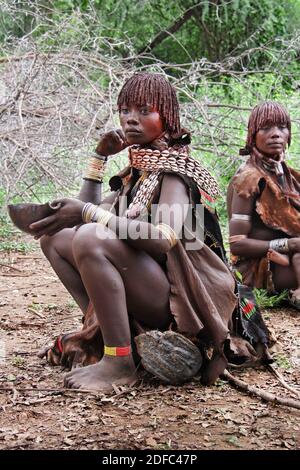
[
  {"x": 84, "y": 241},
  {"x": 60, "y": 241},
  {"x": 46, "y": 243},
  {"x": 92, "y": 240}
]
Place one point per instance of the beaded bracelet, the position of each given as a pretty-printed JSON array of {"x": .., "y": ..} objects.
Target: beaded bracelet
[{"x": 96, "y": 168}]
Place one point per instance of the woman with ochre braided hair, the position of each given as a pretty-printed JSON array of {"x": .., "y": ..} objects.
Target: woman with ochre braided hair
[
  {"x": 132, "y": 283},
  {"x": 264, "y": 206}
]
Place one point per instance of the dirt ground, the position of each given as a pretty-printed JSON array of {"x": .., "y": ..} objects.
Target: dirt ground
[{"x": 37, "y": 413}]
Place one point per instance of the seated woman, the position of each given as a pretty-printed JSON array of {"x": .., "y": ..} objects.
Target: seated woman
[
  {"x": 263, "y": 203},
  {"x": 130, "y": 274}
]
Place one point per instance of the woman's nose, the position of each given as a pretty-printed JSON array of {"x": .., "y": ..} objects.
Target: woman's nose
[
  {"x": 275, "y": 132},
  {"x": 132, "y": 118}
]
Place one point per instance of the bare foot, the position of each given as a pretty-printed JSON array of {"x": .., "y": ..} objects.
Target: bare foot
[
  {"x": 296, "y": 293},
  {"x": 101, "y": 376},
  {"x": 294, "y": 298}
]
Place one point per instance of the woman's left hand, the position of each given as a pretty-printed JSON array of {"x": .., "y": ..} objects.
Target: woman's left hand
[{"x": 67, "y": 215}]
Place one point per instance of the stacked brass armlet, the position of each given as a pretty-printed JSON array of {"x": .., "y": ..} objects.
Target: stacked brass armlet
[
  {"x": 168, "y": 233},
  {"x": 96, "y": 168},
  {"x": 92, "y": 213}
]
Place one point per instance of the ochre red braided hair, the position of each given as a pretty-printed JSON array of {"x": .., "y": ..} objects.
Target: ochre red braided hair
[
  {"x": 155, "y": 90},
  {"x": 266, "y": 113}
]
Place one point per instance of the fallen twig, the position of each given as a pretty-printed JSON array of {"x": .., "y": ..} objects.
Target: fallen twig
[
  {"x": 24, "y": 353},
  {"x": 30, "y": 288},
  {"x": 283, "y": 382},
  {"x": 62, "y": 391},
  {"x": 246, "y": 365},
  {"x": 267, "y": 396},
  {"x": 16, "y": 275},
  {"x": 272, "y": 369},
  {"x": 30, "y": 309},
  {"x": 10, "y": 267}
]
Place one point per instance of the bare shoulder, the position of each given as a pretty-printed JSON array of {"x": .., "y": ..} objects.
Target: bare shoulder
[
  {"x": 242, "y": 204},
  {"x": 108, "y": 200},
  {"x": 175, "y": 197},
  {"x": 173, "y": 190}
]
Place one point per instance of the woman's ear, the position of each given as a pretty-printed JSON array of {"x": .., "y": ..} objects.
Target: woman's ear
[
  {"x": 183, "y": 137},
  {"x": 168, "y": 139},
  {"x": 245, "y": 151},
  {"x": 161, "y": 142}
]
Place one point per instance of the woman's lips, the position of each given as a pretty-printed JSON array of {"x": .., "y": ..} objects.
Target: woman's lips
[{"x": 132, "y": 131}]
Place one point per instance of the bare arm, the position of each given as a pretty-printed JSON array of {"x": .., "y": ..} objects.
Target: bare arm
[
  {"x": 249, "y": 247},
  {"x": 111, "y": 142},
  {"x": 140, "y": 235},
  {"x": 69, "y": 214},
  {"x": 92, "y": 192},
  {"x": 173, "y": 192}
]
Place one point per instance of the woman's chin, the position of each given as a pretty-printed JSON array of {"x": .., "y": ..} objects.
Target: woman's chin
[{"x": 135, "y": 141}]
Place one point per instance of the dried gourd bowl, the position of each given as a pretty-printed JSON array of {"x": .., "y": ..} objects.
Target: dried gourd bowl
[{"x": 23, "y": 215}]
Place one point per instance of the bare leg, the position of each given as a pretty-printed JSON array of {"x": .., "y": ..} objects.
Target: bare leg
[
  {"x": 296, "y": 267},
  {"x": 117, "y": 277},
  {"x": 287, "y": 277},
  {"x": 58, "y": 250}
]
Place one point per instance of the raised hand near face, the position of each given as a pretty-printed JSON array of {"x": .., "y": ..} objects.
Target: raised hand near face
[{"x": 111, "y": 142}]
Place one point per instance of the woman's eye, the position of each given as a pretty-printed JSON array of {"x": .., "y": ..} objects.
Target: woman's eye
[
  {"x": 144, "y": 111},
  {"x": 124, "y": 110}
]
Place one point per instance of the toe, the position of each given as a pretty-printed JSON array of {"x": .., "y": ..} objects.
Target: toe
[
  {"x": 67, "y": 381},
  {"x": 43, "y": 352},
  {"x": 75, "y": 384},
  {"x": 68, "y": 375},
  {"x": 72, "y": 373}
]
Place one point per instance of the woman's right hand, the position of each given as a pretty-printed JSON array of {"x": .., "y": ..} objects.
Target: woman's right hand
[
  {"x": 69, "y": 214},
  {"x": 111, "y": 142},
  {"x": 294, "y": 245}
]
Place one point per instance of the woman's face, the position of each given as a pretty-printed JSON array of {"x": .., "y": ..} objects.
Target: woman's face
[
  {"x": 272, "y": 139},
  {"x": 140, "y": 124}
]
